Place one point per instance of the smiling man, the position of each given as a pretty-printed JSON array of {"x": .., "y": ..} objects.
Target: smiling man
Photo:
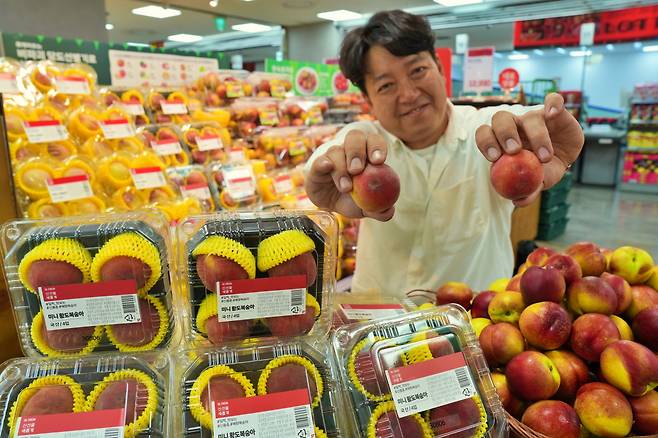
[{"x": 449, "y": 224}]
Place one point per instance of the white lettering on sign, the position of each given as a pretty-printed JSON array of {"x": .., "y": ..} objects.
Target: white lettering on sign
[
  {"x": 478, "y": 70},
  {"x": 90, "y": 304}
]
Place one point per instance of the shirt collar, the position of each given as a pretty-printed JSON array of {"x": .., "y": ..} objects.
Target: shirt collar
[{"x": 454, "y": 132}]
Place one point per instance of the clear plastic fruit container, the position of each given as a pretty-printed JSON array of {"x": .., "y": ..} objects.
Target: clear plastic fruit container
[
  {"x": 193, "y": 183},
  {"x": 418, "y": 375},
  {"x": 287, "y": 388},
  {"x": 352, "y": 308},
  {"x": 90, "y": 283},
  {"x": 166, "y": 141},
  {"x": 99, "y": 394},
  {"x": 206, "y": 141},
  {"x": 274, "y": 274},
  {"x": 234, "y": 186}
]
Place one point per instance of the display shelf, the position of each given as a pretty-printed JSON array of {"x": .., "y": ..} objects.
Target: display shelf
[
  {"x": 644, "y": 101},
  {"x": 648, "y": 150},
  {"x": 643, "y": 122}
]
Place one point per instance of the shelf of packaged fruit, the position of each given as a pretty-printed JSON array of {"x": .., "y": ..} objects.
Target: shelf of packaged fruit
[
  {"x": 643, "y": 122},
  {"x": 648, "y": 150}
]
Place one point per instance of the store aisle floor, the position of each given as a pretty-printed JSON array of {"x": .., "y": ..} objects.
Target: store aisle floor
[{"x": 611, "y": 218}]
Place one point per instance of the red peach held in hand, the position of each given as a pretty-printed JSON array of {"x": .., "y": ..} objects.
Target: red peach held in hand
[
  {"x": 376, "y": 189},
  {"x": 517, "y": 176}
]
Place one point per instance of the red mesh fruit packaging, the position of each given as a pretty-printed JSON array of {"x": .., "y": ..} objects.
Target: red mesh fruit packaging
[
  {"x": 91, "y": 283},
  {"x": 255, "y": 275},
  {"x": 97, "y": 395},
  {"x": 417, "y": 375},
  {"x": 289, "y": 388}
]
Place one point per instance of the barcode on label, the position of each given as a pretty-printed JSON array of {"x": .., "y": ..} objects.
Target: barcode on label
[
  {"x": 463, "y": 377},
  {"x": 301, "y": 417},
  {"x": 297, "y": 297},
  {"x": 111, "y": 433},
  {"x": 128, "y": 304}
]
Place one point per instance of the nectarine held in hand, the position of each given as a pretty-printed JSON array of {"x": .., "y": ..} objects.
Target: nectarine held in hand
[
  {"x": 376, "y": 189},
  {"x": 517, "y": 176}
]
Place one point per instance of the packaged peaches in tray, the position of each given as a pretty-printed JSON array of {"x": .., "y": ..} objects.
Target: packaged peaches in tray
[
  {"x": 92, "y": 283},
  {"x": 254, "y": 114},
  {"x": 193, "y": 183},
  {"x": 417, "y": 375},
  {"x": 129, "y": 99},
  {"x": 288, "y": 145},
  {"x": 234, "y": 185},
  {"x": 206, "y": 142},
  {"x": 121, "y": 395},
  {"x": 220, "y": 88},
  {"x": 303, "y": 111},
  {"x": 168, "y": 106},
  {"x": 270, "y": 84},
  {"x": 249, "y": 275},
  {"x": 167, "y": 142},
  {"x": 288, "y": 388},
  {"x": 52, "y": 78}
]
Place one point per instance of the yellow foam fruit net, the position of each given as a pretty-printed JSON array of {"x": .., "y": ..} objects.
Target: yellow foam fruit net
[
  {"x": 207, "y": 310},
  {"x": 282, "y": 247},
  {"x": 42, "y": 345},
  {"x": 158, "y": 337},
  {"x": 144, "y": 419},
  {"x": 292, "y": 359},
  {"x": 361, "y": 346},
  {"x": 129, "y": 244},
  {"x": 57, "y": 249},
  {"x": 197, "y": 409},
  {"x": 230, "y": 249},
  {"x": 418, "y": 353},
  {"x": 388, "y": 406},
  {"x": 43, "y": 382}
]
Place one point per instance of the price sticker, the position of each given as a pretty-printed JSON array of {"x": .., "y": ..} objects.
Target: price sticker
[
  {"x": 240, "y": 182},
  {"x": 209, "y": 143},
  {"x": 172, "y": 108},
  {"x": 283, "y": 184},
  {"x": 45, "y": 131},
  {"x": 366, "y": 312},
  {"x": 68, "y": 306},
  {"x": 268, "y": 116},
  {"x": 8, "y": 83},
  {"x": 261, "y": 298},
  {"x": 166, "y": 147},
  {"x": 134, "y": 109},
  {"x": 430, "y": 384},
  {"x": 148, "y": 177},
  {"x": 69, "y": 188},
  {"x": 108, "y": 423},
  {"x": 199, "y": 191},
  {"x": 234, "y": 89},
  {"x": 73, "y": 85},
  {"x": 117, "y": 128}
]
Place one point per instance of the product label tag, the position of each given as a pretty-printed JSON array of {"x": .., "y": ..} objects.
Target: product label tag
[
  {"x": 430, "y": 384},
  {"x": 234, "y": 89},
  {"x": 166, "y": 147},
  {"x": 276, "y": 415},
  {"x": 261, "y": 298},
  {"x": 69, "y": 188},
  {"x": 209, "y": 143},
  {"x": 90, "y": 304},
  {"x": 314, "y": 116},
  {"x": 237, "y": 155},
  {"x": 45, "y": 131},
  {"x": 8, "y": 83},
  {"x": 134, "y": 109},
  {"x": 109, "y": 423},
  {"x": 148, "y": 177},
  {"x": 277, "y": 89},
  {"x": 283, "y": 184},
  {"x": 361, "y": 312},
  {"x": 304, "y": 203},
  {"x": 268, "y": 116},
  {"x": 173, "y": 107},
  {"x": 117, "y": 128},
  {"x": 199, "y": 191},
  {"x": 297, "y": 147},
  {"x": 73, "y": 85},
  {"x": 240, "y": 182}
]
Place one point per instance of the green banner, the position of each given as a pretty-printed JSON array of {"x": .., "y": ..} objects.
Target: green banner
[
  {"x": 312, "y": 79},
  {"x": 94, "y": 53}
]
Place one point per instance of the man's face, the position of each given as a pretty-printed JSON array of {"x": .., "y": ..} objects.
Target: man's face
[{"x": 407, "y": 95}]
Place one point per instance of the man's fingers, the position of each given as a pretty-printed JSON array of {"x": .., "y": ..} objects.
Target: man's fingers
[
  {"x": 486, "y": 141},
  {"x": 355, "y": 151},
  {"x": 376, "y": 147},
  {"x": 553, "y": 105},
  {"x": 339, "y": 173},
  {"x": 535, "y": 131},
  {"x": 383, "y": 216},
  {"x": 504, "y": 127},
  {"x": 529, "y": 199}
]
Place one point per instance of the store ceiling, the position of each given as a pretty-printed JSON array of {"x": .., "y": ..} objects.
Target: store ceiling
[{"x": 198, "y": 15}]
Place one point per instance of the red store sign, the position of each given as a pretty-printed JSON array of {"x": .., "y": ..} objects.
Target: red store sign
[{"x": 611, "y": 26}]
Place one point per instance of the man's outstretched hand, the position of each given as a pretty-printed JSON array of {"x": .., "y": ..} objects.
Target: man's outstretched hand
[
  {"x": 552, "y": 133},
  {"x": 329, "y": 182}
]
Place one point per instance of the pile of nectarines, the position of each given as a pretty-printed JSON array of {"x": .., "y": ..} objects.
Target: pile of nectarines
[{"x": 571, "y": 340}]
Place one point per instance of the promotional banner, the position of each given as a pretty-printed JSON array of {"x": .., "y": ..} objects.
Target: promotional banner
[
  {"x": 95, "y": 53},
  {"x": 478, "y": 70},
  {"x": 611, "y": 26},
  {"x": 312, "y": 79}
]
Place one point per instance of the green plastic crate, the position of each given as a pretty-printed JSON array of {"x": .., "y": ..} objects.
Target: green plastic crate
[
  {"x": 552, "y": 230},
  {"x": 553, "y": 214},
  {"x": 550, "y": 198}
]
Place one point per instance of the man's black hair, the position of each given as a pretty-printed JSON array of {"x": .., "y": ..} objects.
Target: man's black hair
[{"x": 399, "y": 32}]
